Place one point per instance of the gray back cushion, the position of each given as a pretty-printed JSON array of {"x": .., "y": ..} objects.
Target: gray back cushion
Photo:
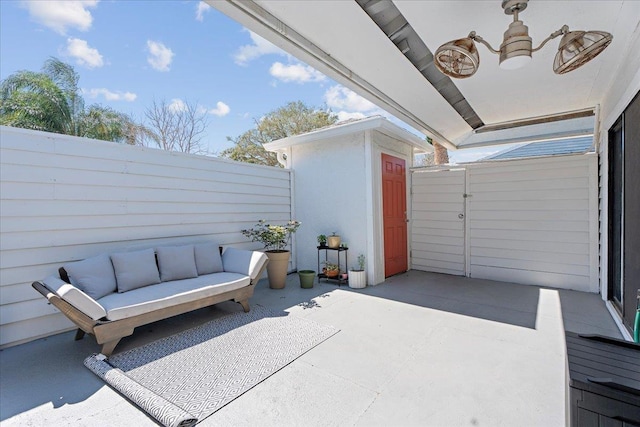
[
  {"x": 176, "y": 262},
  {"x": 135, "y": 269},
  {"x": 208, "y": 258},
  {"x": 94, "y": 276}
]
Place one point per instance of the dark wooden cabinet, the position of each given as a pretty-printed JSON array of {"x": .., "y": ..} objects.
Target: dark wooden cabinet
[{"x": 604, "y": 381}]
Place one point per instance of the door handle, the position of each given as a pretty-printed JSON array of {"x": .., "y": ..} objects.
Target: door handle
[{"x": 460, "y": 216}]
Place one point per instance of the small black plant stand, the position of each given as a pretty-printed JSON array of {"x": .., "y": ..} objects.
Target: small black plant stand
[{"x": 340, "y": 251}]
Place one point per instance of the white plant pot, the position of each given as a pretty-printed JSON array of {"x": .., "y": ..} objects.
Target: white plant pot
[{"x": 357, "y": 279}]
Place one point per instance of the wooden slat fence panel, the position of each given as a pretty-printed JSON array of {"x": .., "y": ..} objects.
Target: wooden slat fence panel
[{"x": 66, "y": 199}]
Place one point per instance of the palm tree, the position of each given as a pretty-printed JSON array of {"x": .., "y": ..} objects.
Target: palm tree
[
  {"x": 33, "y": 101},
  {"x": 51, "y": 101}
]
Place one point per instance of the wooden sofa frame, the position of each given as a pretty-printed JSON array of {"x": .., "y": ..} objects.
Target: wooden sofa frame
[{"x": 108, "y": 333}]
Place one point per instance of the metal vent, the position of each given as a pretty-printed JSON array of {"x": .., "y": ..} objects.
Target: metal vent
[{"x": 389, "y": 19}]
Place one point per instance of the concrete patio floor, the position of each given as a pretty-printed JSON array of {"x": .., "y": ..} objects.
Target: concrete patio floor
[{"x": 421, "y": 349}]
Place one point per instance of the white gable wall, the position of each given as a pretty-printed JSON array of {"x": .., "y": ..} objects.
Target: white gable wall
[
  {"x": 338, "y": 187},
  {"x": 65, "y": 199},
  {"x": 330, "y": 196}
]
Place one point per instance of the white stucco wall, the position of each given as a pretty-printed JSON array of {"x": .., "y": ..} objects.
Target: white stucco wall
[
  {"x": 338, "y": 188},
  {"x": 330, "y": 194}
]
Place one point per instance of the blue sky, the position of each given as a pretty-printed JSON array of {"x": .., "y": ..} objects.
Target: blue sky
[{"x": 130, "y": 53}]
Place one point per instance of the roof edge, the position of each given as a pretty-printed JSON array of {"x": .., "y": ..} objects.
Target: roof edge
[{"x": 370, "y": 123}]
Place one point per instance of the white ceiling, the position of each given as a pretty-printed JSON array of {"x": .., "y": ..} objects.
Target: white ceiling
[{"x": 341, "y": 40}]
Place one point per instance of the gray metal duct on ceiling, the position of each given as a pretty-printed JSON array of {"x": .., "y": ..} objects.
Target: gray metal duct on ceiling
[{"x": 389, "y": 19}]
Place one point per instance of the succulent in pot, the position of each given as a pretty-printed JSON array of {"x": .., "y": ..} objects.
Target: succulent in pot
[{"x": 330, "y": 269}]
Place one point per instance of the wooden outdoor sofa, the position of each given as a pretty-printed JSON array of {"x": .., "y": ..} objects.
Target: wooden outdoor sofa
[{"x": 108, "y": 296}]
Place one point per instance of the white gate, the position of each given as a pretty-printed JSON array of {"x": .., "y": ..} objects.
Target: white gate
[
  {"x": 532, "y": 221},
  {"x": 437, "y": 221}
]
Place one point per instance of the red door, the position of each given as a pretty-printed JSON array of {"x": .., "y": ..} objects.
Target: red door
[{"x": 394, "y": 215}]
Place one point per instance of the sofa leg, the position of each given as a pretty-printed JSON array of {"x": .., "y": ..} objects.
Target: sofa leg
[
  {"x": 108, "y": 347},
  {"x": 245, "y": 305},
  {"x": 79, "y": 334}
]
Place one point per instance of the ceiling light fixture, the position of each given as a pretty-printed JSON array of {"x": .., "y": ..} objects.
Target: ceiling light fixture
[{"x": 460, "y": 58}]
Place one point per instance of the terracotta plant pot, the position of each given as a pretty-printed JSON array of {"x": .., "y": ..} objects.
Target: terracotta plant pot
[
  {"x": 277, "y": 268},
  {"x": 331, "y": 273}
]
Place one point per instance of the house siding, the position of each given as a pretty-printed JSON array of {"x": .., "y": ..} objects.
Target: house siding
[
  {"x": 535, "y": 222},
  {"x": 65, "y": 199}
]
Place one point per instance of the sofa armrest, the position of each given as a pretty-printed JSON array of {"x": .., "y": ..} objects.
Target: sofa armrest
[
  {"x": 250, "y": 263},
  {"x": 75, "y": 297}
]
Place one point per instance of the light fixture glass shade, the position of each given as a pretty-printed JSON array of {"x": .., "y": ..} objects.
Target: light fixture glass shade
[
  {"x": 579, "y": 47},
  {"x": 515, "y": 62},
  {"x": 515, "y": 50},
  {"x": 458, "y": 58}
]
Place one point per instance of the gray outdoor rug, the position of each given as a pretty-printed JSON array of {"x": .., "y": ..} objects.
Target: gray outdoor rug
[{"x": 182, "y": 379}]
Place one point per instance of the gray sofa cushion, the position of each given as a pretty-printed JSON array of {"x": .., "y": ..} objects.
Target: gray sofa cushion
[
  {"x": 75, "y": 297},
  {"x": 135, "y": 269},
  {"x": 176, "y": 262},
  {"x": 94, "y": 276},
  {"x": 167, "y": 294},
  {"x": 243, "y": 262},
  {"x": 208, "y": 258}
]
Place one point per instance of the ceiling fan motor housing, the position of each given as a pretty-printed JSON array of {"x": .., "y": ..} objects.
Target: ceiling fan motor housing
[{"x": 516, "y": 43}]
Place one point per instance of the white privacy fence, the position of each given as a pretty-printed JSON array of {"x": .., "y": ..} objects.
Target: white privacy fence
[
  {"x": 65, "y": 198},
  {"x": 531, "y": 221}
]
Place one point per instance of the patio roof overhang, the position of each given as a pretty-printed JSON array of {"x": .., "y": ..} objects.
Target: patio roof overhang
[{"x": 342, "y": 40}]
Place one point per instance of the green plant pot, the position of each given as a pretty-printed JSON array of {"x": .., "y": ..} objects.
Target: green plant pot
[{"x": 306, "y": 278}]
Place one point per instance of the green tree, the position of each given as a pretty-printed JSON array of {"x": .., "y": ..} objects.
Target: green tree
[
  {"x": 292, "y": 119},
  {"x": 51, "y": 101}
]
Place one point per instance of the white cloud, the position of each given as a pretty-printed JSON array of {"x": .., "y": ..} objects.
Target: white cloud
[
  {"x": 201, "y": 9},
  {"x": 344, "y": 115},
  {"x": 112, "y": 96},
  {"x": 177, "y": 105},
  {"x": 298, "y": 73},
  {"x": 341, "y": 98},
  {"x": 60, "y": 15},
  {"x": 349, "y": 105},
  {"x": 160, "y": 56},
  {"x": 260, "y": 47},
  {"x": 84, "y": 54},
  {"x": 221, "y": 109}
]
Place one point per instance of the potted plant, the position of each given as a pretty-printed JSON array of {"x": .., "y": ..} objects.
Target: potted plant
[
  {"x": 275, "y": 239},
  {"x": 334, "y": 241},
  {"x": 322, "y": 240},
  {"x": 358, "y": 277},
  {"x": 331, "y": 270},
  {"x": 306, "y": 278}
]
